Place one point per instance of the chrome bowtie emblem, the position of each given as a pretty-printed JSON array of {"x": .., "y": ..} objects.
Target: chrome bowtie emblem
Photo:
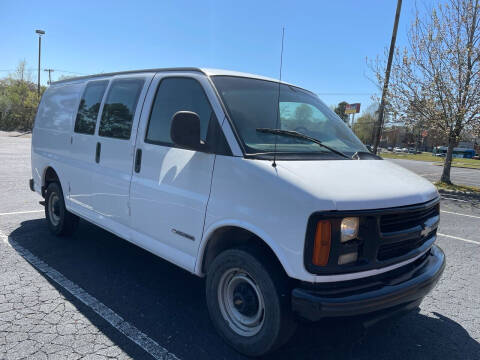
[
  {"x": 429, "y": 225},
  {"x": 425, "y": 231}
]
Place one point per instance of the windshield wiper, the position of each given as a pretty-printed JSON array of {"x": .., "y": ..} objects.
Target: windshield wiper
[{"x": 298, "y": 135}]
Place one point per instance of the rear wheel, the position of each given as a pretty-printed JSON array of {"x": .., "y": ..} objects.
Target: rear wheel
[
  {"x": 249, "y": 301},
  {"x": 60, "y": 221}
]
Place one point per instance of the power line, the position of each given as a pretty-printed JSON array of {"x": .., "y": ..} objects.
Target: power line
[
  {"x": 49, "y": 75},
  {"x": 344, "y": 94},
  {"x": 35, "y": 70},
  {"x": 70, "y": 72},
  {"x": 79, "y": 73}
]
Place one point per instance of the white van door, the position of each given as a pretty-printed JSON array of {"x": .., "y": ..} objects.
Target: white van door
[
  {"x": 114, "y": 149},
  {"x": 171, "y": 186},
  {"x": 82, "y": 147}
]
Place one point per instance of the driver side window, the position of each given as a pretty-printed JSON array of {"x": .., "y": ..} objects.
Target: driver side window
[{"x": 177, "y": 94}]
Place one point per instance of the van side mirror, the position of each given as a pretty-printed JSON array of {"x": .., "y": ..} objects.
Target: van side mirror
[{"x": 185, "y": 131}]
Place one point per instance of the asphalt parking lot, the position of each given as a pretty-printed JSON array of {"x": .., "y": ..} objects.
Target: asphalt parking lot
[
  {"x": 97, "y": 296},
  {"x": 459, "y": 176}
]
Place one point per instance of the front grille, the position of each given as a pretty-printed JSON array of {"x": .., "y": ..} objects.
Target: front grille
[
  {"x": 386, "y": 237},
  {"x": 407, "y": 220},
  {"x": 390, "y": 251}
]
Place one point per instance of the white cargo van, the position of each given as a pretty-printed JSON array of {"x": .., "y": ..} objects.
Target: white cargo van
[{"x": 255, "y": 184}]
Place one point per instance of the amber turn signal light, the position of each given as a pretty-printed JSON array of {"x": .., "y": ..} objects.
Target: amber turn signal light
[{"x": 321, "y": 247}]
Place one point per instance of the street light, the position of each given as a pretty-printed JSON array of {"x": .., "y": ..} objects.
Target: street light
[{"x": 40, "y": 33}]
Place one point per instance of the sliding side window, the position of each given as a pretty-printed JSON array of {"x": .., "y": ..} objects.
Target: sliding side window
[{"x": 119, "y": 108}]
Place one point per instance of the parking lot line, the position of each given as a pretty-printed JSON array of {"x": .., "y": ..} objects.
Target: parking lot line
[
  {"x": 131, "y": 332},
  {"x": 21, "y": 212},
  {"x": 454, "y": 199},
  {"x": 454, "y": 213},
  {"x": 459, "y": 238}
]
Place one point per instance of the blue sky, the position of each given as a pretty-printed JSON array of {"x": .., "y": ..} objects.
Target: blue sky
[{"x": 326, "y": 42}]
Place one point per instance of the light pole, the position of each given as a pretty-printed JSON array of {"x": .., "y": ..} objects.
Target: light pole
[{"x": 40, "y": 33}]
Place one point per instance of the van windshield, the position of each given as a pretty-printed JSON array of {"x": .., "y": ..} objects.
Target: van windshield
[{"x": 252, "y": 105}]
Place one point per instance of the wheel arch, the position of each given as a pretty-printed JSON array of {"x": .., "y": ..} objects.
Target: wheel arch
[
  {"x": 231, "y": 234},
  {"x": 49, "y": 175}
]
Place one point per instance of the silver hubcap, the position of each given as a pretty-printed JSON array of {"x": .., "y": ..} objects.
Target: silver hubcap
[
  {"x": 54, "y": 209},
  {"x": 241, "y": 302}
]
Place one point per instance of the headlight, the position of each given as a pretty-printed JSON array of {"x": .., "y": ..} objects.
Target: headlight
[{"x": 349, "y": 229}]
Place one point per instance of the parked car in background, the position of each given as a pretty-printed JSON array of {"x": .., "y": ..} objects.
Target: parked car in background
[
  {"x": 405, "y": 150},
  {"x": 397, "y": 149},
  {"x": 193, "y": 166},
  {"x": 412, "y": 151},
  {"x": 389, "y": 148}
]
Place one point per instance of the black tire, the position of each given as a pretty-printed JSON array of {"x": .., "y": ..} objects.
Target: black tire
[
  {"x": 278, "y": 324},
  {"x": 59, "y": 220}
]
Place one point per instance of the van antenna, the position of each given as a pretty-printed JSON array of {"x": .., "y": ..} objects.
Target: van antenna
[{"x": 274, "y": 164}]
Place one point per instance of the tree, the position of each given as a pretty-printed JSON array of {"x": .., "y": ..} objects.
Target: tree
[
  {"x": 363, "y": 127},
  {"x": 340, "y": 111},
  {"x": 365, "y": 124},
  {"x": 436, "y": 78},
  {"x": 18, "y": 100}
]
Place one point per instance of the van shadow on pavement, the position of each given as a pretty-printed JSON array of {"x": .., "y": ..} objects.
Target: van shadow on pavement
[{"x": 168, "y": 305}]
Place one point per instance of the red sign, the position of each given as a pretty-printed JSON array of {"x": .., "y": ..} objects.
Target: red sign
[{"x": 352, "y": 108}]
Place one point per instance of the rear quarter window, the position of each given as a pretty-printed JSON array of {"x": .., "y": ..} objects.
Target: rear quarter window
[
  {"x": 89, "y": 106},
  {"x": 58, "y": 107}
]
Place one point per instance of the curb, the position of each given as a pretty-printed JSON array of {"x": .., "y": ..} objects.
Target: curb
[
  {"x": 460, "y": 193},
  {"x": 453, "y": 166}
]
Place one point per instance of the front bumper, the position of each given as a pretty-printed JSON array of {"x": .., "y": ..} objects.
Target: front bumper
[{"x": 396, "y": 289}]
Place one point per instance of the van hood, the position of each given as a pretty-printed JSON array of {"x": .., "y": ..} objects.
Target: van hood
[{"x": 358, "y": 184}]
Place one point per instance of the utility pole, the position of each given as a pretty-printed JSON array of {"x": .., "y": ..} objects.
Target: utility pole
[
  {"x": 40, "y": 33},
  {"x": 381, "y": 109},
  {"x": 49, "y": 75}
]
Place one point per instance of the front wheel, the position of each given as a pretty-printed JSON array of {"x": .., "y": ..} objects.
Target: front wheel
[
  {"x": 249, "y": 301},
  {"x": 60, "y": 221}
]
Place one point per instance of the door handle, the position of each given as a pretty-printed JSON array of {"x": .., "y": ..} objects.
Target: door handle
[
  {"x": 138, "y": 160},
  {"x": 97, "y": 152}
]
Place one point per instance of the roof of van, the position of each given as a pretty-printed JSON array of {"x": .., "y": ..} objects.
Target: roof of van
[{"x": 207, "y": 72}]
